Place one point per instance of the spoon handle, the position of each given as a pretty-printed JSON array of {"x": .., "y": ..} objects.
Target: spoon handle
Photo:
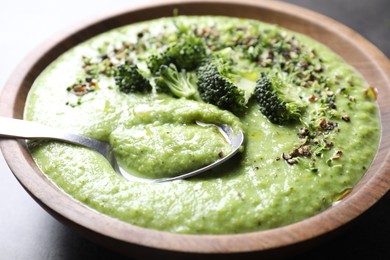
[
  {"x": 16, "y": 128},
  {"x": 21, "y": 129}
]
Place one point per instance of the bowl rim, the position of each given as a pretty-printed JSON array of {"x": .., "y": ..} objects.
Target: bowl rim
[{"x": 108, "y": 230}]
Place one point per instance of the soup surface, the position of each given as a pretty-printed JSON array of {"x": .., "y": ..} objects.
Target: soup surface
[{"x": 287, "y": 170}]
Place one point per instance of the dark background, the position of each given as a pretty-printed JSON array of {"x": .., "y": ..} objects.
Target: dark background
[{"x": 28, "y": 232}]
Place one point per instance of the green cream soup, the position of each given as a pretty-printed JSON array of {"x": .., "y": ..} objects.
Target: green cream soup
[{"x": 284, "y": 172}]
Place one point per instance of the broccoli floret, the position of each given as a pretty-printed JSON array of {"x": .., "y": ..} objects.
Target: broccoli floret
[
  {"x": 277, "y": 101},
  {"x": 178, "y": 83},
  {"x": 129, "y": 79},
  {"x": 186, "y": 54},
  {"x": 220, "y": 85},
  {"x": 155, "y": 61}
]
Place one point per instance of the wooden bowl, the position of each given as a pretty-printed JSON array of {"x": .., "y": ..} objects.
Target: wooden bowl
[{"x": 137, "y": 241}]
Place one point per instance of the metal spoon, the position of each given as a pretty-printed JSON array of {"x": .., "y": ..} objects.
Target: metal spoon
[{"x": 21, "y": 129}]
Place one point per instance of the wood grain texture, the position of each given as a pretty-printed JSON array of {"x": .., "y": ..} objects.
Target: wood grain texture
[{"x": 132, "y": 240}]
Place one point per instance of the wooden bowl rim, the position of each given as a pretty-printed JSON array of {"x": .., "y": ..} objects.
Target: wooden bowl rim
[{"x": 109, "y": 230}]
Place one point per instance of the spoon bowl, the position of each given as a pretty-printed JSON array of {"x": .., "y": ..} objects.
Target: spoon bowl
[{"x": 21, "y": 129}]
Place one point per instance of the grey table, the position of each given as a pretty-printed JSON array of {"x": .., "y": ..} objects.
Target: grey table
[{"x": 28, "y": 232}]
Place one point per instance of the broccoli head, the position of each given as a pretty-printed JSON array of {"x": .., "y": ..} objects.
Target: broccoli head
[
  {"x": 178, "y": 83},
  {"x": 187, "y": 53},
  {"x": 129, "y": 79},
  {"x": 220, "y": 85},
  {"x": 276, "y": 101},
  {"x": 155, "y": 61}
]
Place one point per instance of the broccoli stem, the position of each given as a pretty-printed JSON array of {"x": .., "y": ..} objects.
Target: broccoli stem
[{"x": 178, "y": 83}]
